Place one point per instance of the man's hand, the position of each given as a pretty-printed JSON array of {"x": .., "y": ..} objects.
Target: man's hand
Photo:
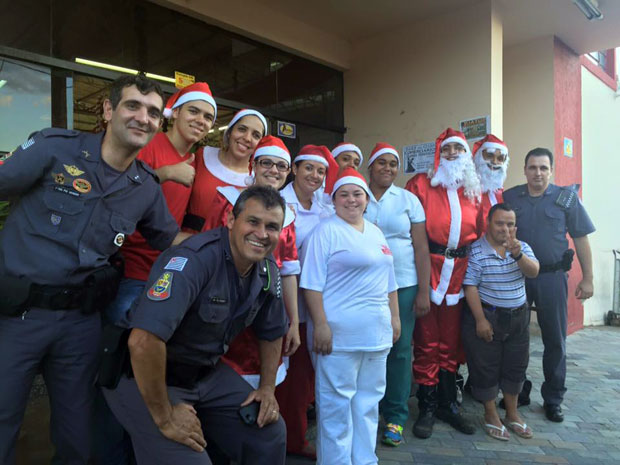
[
  {"x": 395, "y": 329},
  {"x": 422, "y": 304},
  {"x": 512, "y": 244},
  {"x": 269, "y": 411},
  {"x": 322, "y": 343},
  {"x": 585, "y": 289},
  {"x": 184, "y": 426},
  {"x": 484, "y": 330},
  {"x": 291, "y": 340},
  {"x": 182, "y": 172}
]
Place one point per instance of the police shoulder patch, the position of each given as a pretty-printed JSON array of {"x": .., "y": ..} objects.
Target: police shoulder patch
[{"x": 161, "y": 289}]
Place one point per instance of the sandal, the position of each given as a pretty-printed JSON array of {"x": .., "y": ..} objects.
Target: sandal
[
  {"x": 521, "y": 430},
  {"x": 501, "y": 434}
]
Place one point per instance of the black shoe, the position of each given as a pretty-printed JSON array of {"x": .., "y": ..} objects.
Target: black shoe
[
  {"x": 423, "y": 426},
  {"x": 524, "y": 396},
  {"x": 554, "y": 413},
  {"x": 427, "y": 403},
  {"x": 455, "y": 418}
]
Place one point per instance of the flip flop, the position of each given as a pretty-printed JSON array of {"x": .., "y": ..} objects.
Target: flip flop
[
  {"x": 521, "y": 430},
  {"x": 501, "y": 434}
]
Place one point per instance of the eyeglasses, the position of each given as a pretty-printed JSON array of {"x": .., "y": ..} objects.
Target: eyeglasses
[{"x": 267, "y": 164}]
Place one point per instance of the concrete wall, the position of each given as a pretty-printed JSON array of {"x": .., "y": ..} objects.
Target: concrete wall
[
  {"x": 408, "y": 85},
  {"x": 601, "y": 165},
  {"x": 528, "y": 102}
]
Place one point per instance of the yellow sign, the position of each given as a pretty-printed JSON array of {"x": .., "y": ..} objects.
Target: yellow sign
[{"x": 182, "y": 80}]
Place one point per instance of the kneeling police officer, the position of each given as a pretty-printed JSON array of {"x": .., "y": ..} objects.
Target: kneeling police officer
[{"x": 199, "y": 296}]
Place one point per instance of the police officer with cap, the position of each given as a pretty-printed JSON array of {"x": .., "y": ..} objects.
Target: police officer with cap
[
  {"x": 545, "y": 213},
  {"x": 198, "y": 297},
  {"x": 79, "y": 195}
]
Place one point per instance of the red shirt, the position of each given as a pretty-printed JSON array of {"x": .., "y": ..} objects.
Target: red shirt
[{"x": 139, "y": 256}]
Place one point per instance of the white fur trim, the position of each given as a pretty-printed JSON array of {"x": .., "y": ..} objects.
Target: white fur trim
[
  {"x": 254, "y": 379},
  {"x": 247, "y": 112},
  {"x": 492, "y": 198},
  {"x": 273, "y": 151},
  {"x": 453, "y": 241},
  {"x": 458, "y": 140},
  {"x": 290, "y": 268},
  {"x": 348, "y": 148},
  {"x": 381, "y": 152},
  {"x": 167, "y": 113},
  {"x": 289, "y": 217},
  {"x": 217, "y": 169},
  {"x": 310, "y": 157},
  {"x": 350, "y": 180},
  {"x": 493, "y": 146},
  {"x": 196, "y": 96},
  {"x": 230, "y": 193}
]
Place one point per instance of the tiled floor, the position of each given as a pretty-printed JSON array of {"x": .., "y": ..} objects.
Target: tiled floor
[{"x": 590, "y": 433}]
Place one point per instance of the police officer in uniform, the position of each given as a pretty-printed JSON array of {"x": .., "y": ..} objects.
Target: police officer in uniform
[
  {"x": 545, "y": 213},
  {"x": 199, "y": 296},
  {"x": 79, "y": 196}
]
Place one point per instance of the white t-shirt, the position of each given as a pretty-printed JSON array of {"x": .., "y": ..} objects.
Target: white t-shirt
[
  {"x": 354, "y": 270},
  {"x": 394, "y": 213}
]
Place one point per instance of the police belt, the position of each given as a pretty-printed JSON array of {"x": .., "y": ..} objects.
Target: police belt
[
  {"x": 563, "y": 265},
  {"x": 447, "y": 252},
  {"x": 56, "y": 297},
  {"x": 180, "y": 374},
  {"x": 495, "y": 308}
]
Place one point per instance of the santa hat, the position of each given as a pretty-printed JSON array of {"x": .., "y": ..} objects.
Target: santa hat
[
  {"x": 492, "y": 143},
  {"x": 322, "y": 155},
  {"x": 350, "y": 176},
  {"x": 447, "y": 137},
  {"x": 246, "y": 112},
  {"x": 195, "y": 91},
  {"x": 380, "y": 149},
  {"x": 347, "y": 147},
  {"x": 268, "y": 146}
]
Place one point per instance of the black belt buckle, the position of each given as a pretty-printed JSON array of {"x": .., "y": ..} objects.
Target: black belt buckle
[{"x": 450, "y": 253}]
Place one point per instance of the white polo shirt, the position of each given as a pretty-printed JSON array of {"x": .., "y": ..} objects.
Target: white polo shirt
[
  {"x": 354, "y": 270},
  {"x": 394, "y": 213}
]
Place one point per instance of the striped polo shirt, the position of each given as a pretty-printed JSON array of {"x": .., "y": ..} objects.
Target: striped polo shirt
[{"x": 499, "y": 280}]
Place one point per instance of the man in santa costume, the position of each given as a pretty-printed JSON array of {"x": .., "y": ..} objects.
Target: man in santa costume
[
  {"x": 450, "y": 194},
  {"x": 491, "y": 160}
]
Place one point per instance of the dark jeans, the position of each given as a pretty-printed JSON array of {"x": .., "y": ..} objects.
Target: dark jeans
[{"x": 501, "y": 363}]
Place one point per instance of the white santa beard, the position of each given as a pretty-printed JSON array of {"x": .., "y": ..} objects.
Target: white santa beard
[
  {"x": 490, "y": 180},
  {"x": 461, "y": 172}
]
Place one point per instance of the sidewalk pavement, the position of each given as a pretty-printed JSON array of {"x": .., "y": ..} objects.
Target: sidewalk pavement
[{"x": 590, "y": 433}]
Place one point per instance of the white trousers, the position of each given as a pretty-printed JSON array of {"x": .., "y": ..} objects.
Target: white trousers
[{"x": 349, "y": 386}]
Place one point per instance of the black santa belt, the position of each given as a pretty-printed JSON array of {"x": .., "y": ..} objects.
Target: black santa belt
[{"x": 448, "y": 252}]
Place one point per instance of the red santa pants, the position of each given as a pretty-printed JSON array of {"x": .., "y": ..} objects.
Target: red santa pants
[
  {"x": 295, "y": 394},
  {"x": 437, "y": 341}
]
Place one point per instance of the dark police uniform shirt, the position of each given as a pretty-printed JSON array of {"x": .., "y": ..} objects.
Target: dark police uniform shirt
[
  {"x": 72, "y": 215},
  {"x": 543, "y": 224},
  {"x": 197, "y": 303}
]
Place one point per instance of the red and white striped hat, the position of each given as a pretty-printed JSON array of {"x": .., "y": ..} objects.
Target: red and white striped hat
[
  {"x": 322, "y": 155},
  {"x": 247, "y": 112},
  {"x": 350, "y": 176},
  {"x": 268, "y": 146},
  {"x": 492, "y": 143},
  {"x": 380, "y": 149},
  {"x": 347, "y": 147},
  {"x": 448, "y": 136},
  {"x": 195, "y": 91}
]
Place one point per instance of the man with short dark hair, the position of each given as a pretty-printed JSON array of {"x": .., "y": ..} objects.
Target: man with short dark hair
[
  {"x": 495, "y": 327},
  {"x": 200, "y": 295},
  {"x": 545, "y": 213},
  {"x": 80, "y": 195}
]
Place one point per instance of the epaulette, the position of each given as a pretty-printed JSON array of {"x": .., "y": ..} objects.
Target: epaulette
[
  {"x": 270, "y": 271},
  {"x": 147, "y": 168},
  {"x": 198, "y": 241},
  {"x": 57, "y": 132}
]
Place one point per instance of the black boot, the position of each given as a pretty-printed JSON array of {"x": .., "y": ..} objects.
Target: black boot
[
  {"x": 448, "y": 410},
  {"x": 427, "y": 404}
]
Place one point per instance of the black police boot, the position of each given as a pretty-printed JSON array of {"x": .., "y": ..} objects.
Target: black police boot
[
  {"x": 448, "y": 409},
  {"x": 427, "y": 404}
]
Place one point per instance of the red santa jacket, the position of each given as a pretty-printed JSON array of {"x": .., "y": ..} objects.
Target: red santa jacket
[
  {"x": 451, "y": 221},
  {"x": 488, "y": 200}
]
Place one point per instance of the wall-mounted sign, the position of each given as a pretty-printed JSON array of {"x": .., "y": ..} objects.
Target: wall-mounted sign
[
  {"x": 418, "y": 158},
  {"x": 475, "y": 128},
  {"x": 182, "y": 80},
  {"x": 568, "y": 147},
  {"x": 287, "y": 130}
]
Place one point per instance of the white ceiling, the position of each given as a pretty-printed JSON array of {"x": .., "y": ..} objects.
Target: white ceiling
[{"x": 523, "y": 20}]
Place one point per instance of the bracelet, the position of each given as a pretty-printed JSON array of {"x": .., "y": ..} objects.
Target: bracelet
[{"x": 518, "y": 257}]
